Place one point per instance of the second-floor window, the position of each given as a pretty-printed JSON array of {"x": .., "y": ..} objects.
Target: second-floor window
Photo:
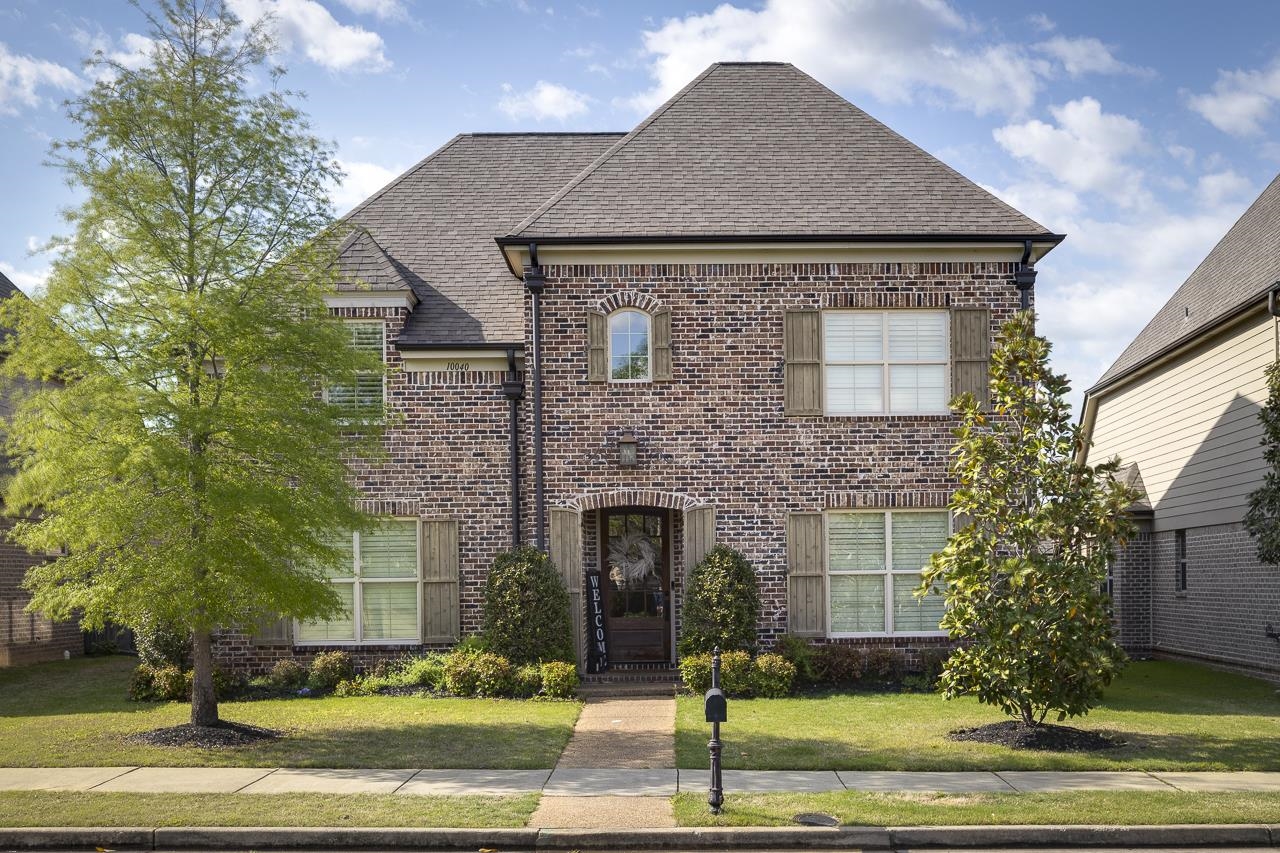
[
  {"x": 630, "y": 354},
  {"x": 364, "y": 399},
  {"x": 885, "y": 362}
]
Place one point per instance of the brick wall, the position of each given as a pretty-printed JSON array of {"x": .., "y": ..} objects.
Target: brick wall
[
  {"x": 27, "y": 637},
  {"x": 1131, "y": 593}
]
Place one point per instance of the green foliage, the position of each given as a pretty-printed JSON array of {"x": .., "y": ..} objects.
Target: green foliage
[
  {"x": 183, "y": 457},
  {"x": 159, "y": 644},
  {"x": 288, "y": 674},
  {"x": 559, "y": 680},
  {"x": 801, "y": 654},
  {"x": 774, "y": 676},
  {"x": 1263, "y": 517},
  {"x": 721, "y": 605},
  {"x": 1023, "y": 575},
  {"x": 527, "y": 681},
  {"x": 426, "y": 671},
  {"x": 837, "y": 664},
  {"x": 883, "y": 666},
  {"x": 479, "y": 674},
  {"x": 142, "y": 683},
  {"x": 171, "y": 684},
  {"x": 472, "y": 643},
  {"x": 695, "y": 672},
  {"x": 741, "y": 676},
  {"x": 526, "y": 608},
  {"x": 330, "y": 668}
]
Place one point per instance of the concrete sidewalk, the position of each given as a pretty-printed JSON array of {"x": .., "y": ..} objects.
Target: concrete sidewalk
[{"x": 578, "y": 782}]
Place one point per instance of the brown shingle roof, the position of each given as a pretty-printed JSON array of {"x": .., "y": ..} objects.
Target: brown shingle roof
[
  {"x": 761, "y": 149},
  {"x": 1239, "y": 270}
]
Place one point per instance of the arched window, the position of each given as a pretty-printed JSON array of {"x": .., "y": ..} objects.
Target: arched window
[{"x": 630, "y": 354}]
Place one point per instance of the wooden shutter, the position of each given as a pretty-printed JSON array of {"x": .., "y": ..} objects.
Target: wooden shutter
[
  {"x": 440, "y": 585},
  {"x": 806, "y": 575},
  {"x": 566, "y": 553},
  {"x": 273, "y": 632},
  {"x": 971, "y": 353},
  {"x": 699, "y": 535},
  {"x": 802, "y": 356},
  {"x": 597, "y": 347},
  {"x": 662, "y": 345}
]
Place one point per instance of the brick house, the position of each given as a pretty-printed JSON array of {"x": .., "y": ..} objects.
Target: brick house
[
  {"x": 741, "y": 322},
  {"x": 1181, "y": 406}
]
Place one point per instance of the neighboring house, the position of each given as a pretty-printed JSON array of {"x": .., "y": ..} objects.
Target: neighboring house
[
  {"x": 739, "y": 323},
  {"x": 1180, "y": 407},
  {"x": 25, "y": 637}
]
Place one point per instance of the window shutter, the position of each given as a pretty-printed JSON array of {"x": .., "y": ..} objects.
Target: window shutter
[
  {"x": 806, "y": 575},
  {"x": 971, "y": 353},
  {"x": 597, "y": 347},
  {"x": 566, "y": 553},
  {"x": 273, "y": 632},
  {"x": 802, "y": 356},
  {"x": 440, "y": 586},
  {"x": 699, "y": 535},
  {"x": 662, "y": 345}
]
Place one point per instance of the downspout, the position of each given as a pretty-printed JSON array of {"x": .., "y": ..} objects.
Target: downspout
[
  {"x": 1025, "y": 278},
  {"x": 513, "y": 390},
  {"x": 534, "y": 282}
]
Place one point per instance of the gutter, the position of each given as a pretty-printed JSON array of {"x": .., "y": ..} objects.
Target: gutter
[
  {"x": 534, "y": 282},
  {"x": 513, "y": 390}
]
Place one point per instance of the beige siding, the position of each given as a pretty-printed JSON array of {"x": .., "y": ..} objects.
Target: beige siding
[{"x": 1192, "y": 427}]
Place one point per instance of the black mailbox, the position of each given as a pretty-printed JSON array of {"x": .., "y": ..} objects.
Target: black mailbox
[{"x": 715, "y": 706}]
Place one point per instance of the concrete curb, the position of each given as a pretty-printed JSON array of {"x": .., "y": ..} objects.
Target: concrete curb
[{"x": 692, "y": 838}]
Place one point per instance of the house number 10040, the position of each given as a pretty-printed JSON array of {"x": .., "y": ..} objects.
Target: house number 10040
[{"x": 457, "y": 365}]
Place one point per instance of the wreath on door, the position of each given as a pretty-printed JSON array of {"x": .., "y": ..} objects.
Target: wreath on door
[{"x": 633, "y": 557}]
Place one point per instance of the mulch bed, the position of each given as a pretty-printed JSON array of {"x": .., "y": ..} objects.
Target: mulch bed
[
  {"x": 222, "y": 735},
  {"x": 1016, "y": 735}
]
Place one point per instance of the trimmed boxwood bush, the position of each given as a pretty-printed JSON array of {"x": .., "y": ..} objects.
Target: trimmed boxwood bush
[
  {"x": 328, "y": 669},
  {"x": 774, "y": 676},
  {"x": 526, "y": 609},
  {"x": 288, "y": 674},
  {"x": 559, "y": 679},
  {"x": 721, "y": 605},
  {"x": 838, "y": 664},
  {"x": 768, "y": 675}
]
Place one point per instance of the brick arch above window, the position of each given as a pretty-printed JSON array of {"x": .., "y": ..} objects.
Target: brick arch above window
[{"x": 628, "y": 299}]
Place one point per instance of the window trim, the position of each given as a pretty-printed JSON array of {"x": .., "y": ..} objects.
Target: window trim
[
  {"x": 1180, "y": 560},
  {"x": 382, "y": 330},
  {"x": 885, "y": 363},
  {"x": 887, "y": 573},
  {"x": 608, "y": 348},
  {"x": 357, "y": 596}
]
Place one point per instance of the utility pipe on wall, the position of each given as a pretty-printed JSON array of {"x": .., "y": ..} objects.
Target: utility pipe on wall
[
  {"x": 513, "y": 390},
  {"x": 534, "y": 282}
]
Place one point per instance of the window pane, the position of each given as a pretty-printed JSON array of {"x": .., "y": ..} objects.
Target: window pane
[
  {"x": 629, "y": 345},
  {"x": 340, "y": 627},
  {"x": 854, "y": 389},
  {"x": 917, "y": 388},
  {"x": 853, "y": 336},
  {"x": 917, "y": 336},
  {"x": 911, "y": 614},
  {"x": 857, "y": 603},
  {"x": 346, "y": 565},
  {"x": 390, "y": 611},
  {"x": 367, "y": 337},
  {"x": 856, "y": 541},
  {"x": 390, "y": 551},
  {"x": 917, "y": 536}
]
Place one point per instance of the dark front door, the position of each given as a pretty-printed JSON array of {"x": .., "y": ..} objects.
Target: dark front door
[{"x": 636, "y": 576}]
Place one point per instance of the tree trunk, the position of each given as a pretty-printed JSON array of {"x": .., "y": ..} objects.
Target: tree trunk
[{"x": 204, "y": 704}]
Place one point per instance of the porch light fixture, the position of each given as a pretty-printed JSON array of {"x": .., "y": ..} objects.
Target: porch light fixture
[{"x": 628, "y": 456}]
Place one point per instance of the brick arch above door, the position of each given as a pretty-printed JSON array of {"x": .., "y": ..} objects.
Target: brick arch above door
[{"x": 588, "y": 501}]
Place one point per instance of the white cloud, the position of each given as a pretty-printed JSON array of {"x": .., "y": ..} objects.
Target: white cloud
[
  {"x": 387, "y": 10},
  {"x": 1240, "y": 101},
  {"x": 1219, "y": 188},
  {"x": 1042, "y": 22},
  {"x": 362, "y": 180},
  {"x": 544, "y": 101},
  {"x": 1184, "y": 155},
  {"x": 307, "y": 27},
  {"x": 1086, "y": 150},
  {"x": 894, "y": 49},
  {"x": 1055, "y": 207},
  {"x": 27, "y": 280},
  {"x": 23, "y": 77},
  {"x": 1087, "y": 56}
]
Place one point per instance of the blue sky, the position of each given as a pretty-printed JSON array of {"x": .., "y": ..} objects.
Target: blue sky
[{"x": 1140, "y": 129}]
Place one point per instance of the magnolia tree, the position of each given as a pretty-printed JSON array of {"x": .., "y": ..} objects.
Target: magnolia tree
[
  {"x": 174, "y": 441},
  {"x": 1263, "y": 517},
  {"x": 1024, "y": 572}
]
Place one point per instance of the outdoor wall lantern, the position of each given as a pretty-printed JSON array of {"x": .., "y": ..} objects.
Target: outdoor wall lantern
[{"x": 628, "y": 455}]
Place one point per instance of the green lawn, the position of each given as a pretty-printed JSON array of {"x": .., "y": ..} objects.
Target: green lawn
[
  {"x": 1172, "y": 715},
  {"x": 47, "y": 808},
  {"x": 1117, "y": 808},
  {"x": 75, "y": 713}
]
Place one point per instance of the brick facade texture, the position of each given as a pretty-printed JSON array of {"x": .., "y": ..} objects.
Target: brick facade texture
[{"x": 28, "y": 637}]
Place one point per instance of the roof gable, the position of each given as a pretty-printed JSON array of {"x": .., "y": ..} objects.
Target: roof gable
[{"x": 762, "y": 149}]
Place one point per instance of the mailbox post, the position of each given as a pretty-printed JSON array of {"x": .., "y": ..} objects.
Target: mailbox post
[{"x": 717, "y": 712}]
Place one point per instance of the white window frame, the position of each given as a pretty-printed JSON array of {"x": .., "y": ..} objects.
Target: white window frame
[
  {"x": 887, "y": 573},
  {"x": 382, "y": 330},
  {"x": 357, "y": 595},
  {"x": 884, "y": 363},
  {"x": 608, "y": 331}
]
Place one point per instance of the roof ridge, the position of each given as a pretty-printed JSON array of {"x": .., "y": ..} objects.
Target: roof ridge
[{"x": 613, "y": 149}]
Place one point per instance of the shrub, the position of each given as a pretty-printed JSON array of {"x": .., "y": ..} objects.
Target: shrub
[
  {"x": 159, "y": 644},
  {"x": 288, "y": 674},
  {"x": 227, "y": 682},
  {"x": 478, "y": 674},
  {"x": 801, "y": 654},
  {"x": 171, "y": 684},
  {"x": 885, "y": 666},
  {"x": 737, "y": 673},
  {"x": 426, "y": 671},
  {"x": 526, "y": 608},
  {"x": 330, "y": 668},
  {"x": 527, "y": 681},
  {"x": 932, "y": 661},
  {"x": 774, "y": 676},
  {"x": 474, "y": 643},
  {"x": 836, "y": 664},
  {"x": 559, "y": 679},
  {"x": 353, "y": 687},
  {"x": 720, "y": 605},
  {"x": 695, "y": 672},
  {"x": 142, "y": 683}
]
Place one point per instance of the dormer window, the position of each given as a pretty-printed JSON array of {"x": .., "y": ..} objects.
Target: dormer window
[{"x": 630, "y": 353}]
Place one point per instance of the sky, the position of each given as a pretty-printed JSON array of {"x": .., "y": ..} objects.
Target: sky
[{"x": 1141, "y": 130}]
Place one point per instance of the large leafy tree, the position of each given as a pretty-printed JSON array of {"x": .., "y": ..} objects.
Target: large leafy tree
[
  {"x": 174, "y": 440},
  {"x": 1263, "y": 517},
  {"x": 1024, "y": 572}
]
